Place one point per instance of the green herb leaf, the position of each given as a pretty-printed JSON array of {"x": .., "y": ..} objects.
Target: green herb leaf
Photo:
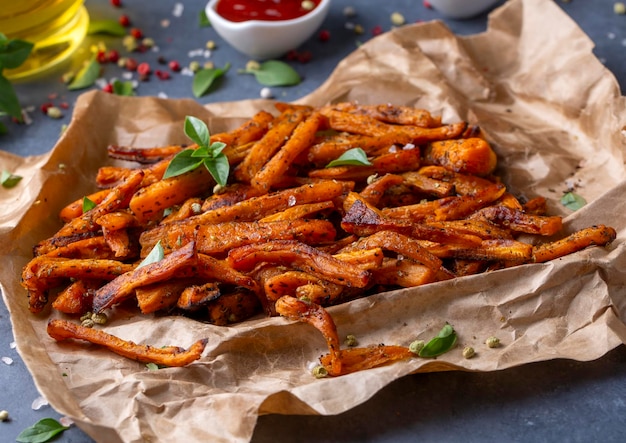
[
  {"x": 443, "y": 342},
  {"x": 123, "y": 88},
  {"x": 88, "y": 204},
  {"x": 275, "y": 73},
  {"x": 8, "y": 99},
  {"x": 352, "y": 157},
  {"x": 110, "y": 27},
  {"x": 197, "y": 130},
  {"x": 573, "y": 201},
  {"x": 9, "y": 180},
  {"x": 204, "y": 79},
  {"x": 152, "y": 366},
  {"x": 86, "y": 77},
  {"x": 13, "y": 52},
  {"x": 209, "y": 154},
  {"x": 155, "y": 255},
  {"x": 219, "y": 168},
  {"x": 3, "y": 129},
  {"x": 203, "y": 19},
  {"x": 181, "y": 163},
  {"x": 41, "y": 432}
]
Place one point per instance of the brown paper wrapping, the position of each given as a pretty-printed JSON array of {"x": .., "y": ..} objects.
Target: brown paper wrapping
[{"x": 555, "y": 116}]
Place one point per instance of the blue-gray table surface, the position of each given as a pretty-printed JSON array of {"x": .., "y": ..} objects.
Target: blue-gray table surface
[{"x": 557, "y": 400}]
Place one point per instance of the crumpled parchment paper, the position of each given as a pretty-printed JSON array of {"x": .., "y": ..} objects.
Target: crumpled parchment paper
[{"x": 556, "y": 118}]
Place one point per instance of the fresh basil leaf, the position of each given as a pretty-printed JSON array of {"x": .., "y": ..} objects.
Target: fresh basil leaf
[
  {"x": 152, "y": 366},
  {"x": 155, "y": 255},
  {"x": 14, "y": 52},
  {"x": 86, "y": 77},
  {"x": 219, "y": 168},
  {"x": 88, "y": 204},
  {"x": 443, "y": 342},
  {"x": 123, "y": 88},
  {"x": 181, "y": 163},
  {"x": 197, "y": 131},
  {"x": 3, "y": 129},
  {"x": 573, "y": 201},
  {"x": 9, "y": 180},
  {"x": 204, "y": 79},
  {"x": 203, "y": 19},
  {"x": 41, "y": 432},
  {"x": 8, "y": 99},
  {"x": 110, "y": 27},
  {"x": 352, "y": 157},
  {"x": 202, "y": 151},
  {"x": 275, "y": 73},
  {"x": 217, "y": 148},
  {"x": 3, "y": 39}
]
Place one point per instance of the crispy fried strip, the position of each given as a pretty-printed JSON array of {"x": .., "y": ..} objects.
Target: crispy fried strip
[
  {"x": 194, "y": 297},
  {"x": 359, "y": 359},
  {"x": 123, "y": 286},
  {"x": 221, "y": 237},
  {"x": 405, "y": 273},
  {"x": 91, "y": 247},
  {"x": 77, "y": 297},
  {"x": 374, "y": 191},
  {"x": 299, "y": 211},
  {"x": 519, "y": 221},
  {"x": 427, "y": 185},
  {"x": 172, "y": 356},
  {"x": 593, "y": 236},
  {"x": 302, "y": 137},
  {"x": 300, "y": 256},
  {"x": 210, "y": 268},
  {"x": 401, "y": 115},
  {"x": 465, "y": 155},
  {"x": 143, "y": 155},
  {"x": 160, "y": 296},
  {"x": 264, "y": 149},
  {"x": 319, "y": 318},
  {"x": 233, "y": 307}
]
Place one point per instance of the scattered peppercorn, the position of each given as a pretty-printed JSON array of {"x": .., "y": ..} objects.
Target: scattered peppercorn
[
  {"x": 349, "y": 11},
  {"x": 113, "y": 56},
  {"x": 397, "y": 19},
  {"x": 324, "y": 35},
  {"x": 350, "y": 340},
  {"x": 416, "y": 346},
  {"x": 4, "y": 415},
  {"x": 162, "y": 75},
  {"x": 468, "y": 352},
  {"x": 492, "y": 342},
  {"x": 619, "y": 8},
  {"x": 54, "y": 112},
  {"x": 174, "y": 66},
  {"x": 131, "y": 64},
  {"x": 307, "y": 5},
  {"x": 194, "y": 66},
  {"x": 136, "y": 33},
  {"x": 377, "y": 30},
  {"x": 124, "y": 21},
  {"x": 305, "y": 56},
  {"x": 320, "y": 372},
  {"x": 116, "y": 3},
  {"x": 99, "y": 318},
  {"x": 211, "y": 44},
  {"x": 427, "y": 4},
  {"x": 253, "y": 65}
]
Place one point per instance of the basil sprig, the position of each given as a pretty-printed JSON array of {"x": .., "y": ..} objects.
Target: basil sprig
[
  {"x": 88, "y": 204},
  {"x": 573, "y": 201},
  {"x": 42, "y": 431},
  {"x": 442, "y": 343},
  {"x": 352, "y": 157},
  {"x": 208, "y": 154}
]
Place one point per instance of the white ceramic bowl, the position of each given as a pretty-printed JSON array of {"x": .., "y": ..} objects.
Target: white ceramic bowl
[
  {"x": 267, "y": 39},
  {"x": 461, "y": 9}
]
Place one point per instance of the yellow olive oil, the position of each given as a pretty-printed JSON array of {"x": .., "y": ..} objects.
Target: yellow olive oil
[{"x": 55, "y": 27}]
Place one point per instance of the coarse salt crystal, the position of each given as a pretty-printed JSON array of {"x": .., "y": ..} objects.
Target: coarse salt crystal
[
  {"x": 162, "y": 95},
  {"x": 165, "y": 23},
  {"x": 127, "y": 75},
  {"x": 13, "y": 345},
  {"x": 178, "y": 10},
  {"x": 39, "y": 403},
  {"x": 195, "y": 53},
  {"x": 266, "y": 93},
  {"x": 66, "y": 421},
  {"x": 409, "y": 146},
  {"x": 291, "y": 201},
  {"x": 186, "y": 71},
  {"x": 7, "y": 360}
]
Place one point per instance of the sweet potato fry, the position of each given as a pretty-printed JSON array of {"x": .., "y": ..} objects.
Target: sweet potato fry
[
  {"x": 77, "y": 297},
  {"x": 428, "y": 186},
  {"x": 600, "y": 235},
  {"x": 123, "y": 286},
  {"x": 299, "y": 256},
  {"x": 194, "y": 297},
  {"x": 299, "y": 212},
  {"x": 210, "y": 268},
  {"x": 75, "y": 209},
  {"x": 401, "y": 115},
  {"x": 374, "y": 191},
  {"x": 405, "y": 273},
  {"x": 359, "y": 359},
  {"x": 172, "y": 356},
  {"x": 231, "y": 194},
  {"x": 318, "y": 317},
  {"x": 160, "y": 296},
  {"x": 232, "y": 307},
  {"x": 249, "y": 131},
  {"x": 91, "y": 247},
  {"x": 466, "y": 155},
  {"x": 302, "y": 137},
  {"x": 266, "y": 147},
  {"x": 143, "y": 155},
  {"x": 519, "y": 221},
  {"x": 119, "y": 242}
]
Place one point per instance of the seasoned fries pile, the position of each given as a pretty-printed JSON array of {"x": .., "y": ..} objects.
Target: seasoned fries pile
[{"x": 287, "y": 235}]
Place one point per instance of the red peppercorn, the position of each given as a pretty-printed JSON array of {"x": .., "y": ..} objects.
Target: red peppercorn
[
  {"x": 124, "y": 21},
  {"x": 305, "y": 56},
  {"x": 113, "y": 56},
  {"x": 162, "y": 75},
  {"x": 101, "y": 56},
  {"x": 427, "y": 4},
  {"x": 116, "y": 3},
  {"x": 137, "y": 33},
  {"x": 131, "y": 64},
  {"x": 143, "y": 69},
  {"x": 377, "y": 30},
  {"x": 174, "y": 66},
  {"x": 324, "y": 35},
  {"x": 44, "y": 107},
  {"x": 108, "y": 88},
  {"x": 292, "y": 55}
]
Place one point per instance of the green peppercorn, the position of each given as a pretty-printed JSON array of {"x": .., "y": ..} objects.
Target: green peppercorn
[
  {"x": 416, "y": 346},
  {"x": 320, "y": 372},
  {"x": 492, "y": 342},
  {"x": 468, "y": 352},
  {"x": 350, "y": 340}
]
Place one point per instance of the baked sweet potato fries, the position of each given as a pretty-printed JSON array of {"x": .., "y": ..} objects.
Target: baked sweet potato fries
[{"x": 288, "y": 235}]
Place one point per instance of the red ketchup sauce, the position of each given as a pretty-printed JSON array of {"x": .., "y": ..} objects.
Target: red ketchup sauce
[{"x": 267, "y": 10}]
